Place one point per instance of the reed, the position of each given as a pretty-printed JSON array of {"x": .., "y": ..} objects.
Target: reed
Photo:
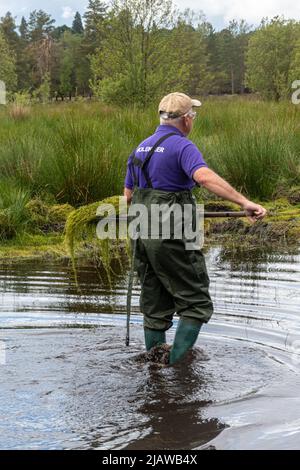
[
  {"x": 77, "y": 152},
  {"x": 13, "y": 212}
]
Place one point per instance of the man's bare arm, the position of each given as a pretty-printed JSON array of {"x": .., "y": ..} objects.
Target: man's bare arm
[{"x": 217, "y": 185}]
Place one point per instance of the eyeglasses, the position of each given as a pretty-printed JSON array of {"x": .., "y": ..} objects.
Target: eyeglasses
[{"x": 191, "y": 114}]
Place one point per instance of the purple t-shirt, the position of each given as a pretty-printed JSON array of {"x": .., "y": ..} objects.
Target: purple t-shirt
[{"x": 171, "y": 166}]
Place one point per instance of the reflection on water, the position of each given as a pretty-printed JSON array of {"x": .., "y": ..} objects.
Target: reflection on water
[{"x": 70, "y": 382}]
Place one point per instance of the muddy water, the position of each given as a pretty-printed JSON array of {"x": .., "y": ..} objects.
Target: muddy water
[{"x": 69, "y": 382}]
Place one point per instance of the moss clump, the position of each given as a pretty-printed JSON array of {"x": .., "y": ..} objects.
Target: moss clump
[
  {"x": 282, "y": 210},
  {"x": 294, "y": 233},
  {"x": 294, "y": 195},
  {"x": 279, "y": 231},
  {"x": 269, "y": 231},
  {"x": 79, "y": 222},
  {"x": 219, "y": 206},
  {"x": 37, "y": 209},
  {"x": 80, "y": 226},
  {"x": 58, "y": 215},
  {"x": 279, "y": 204},
  {"x": 281, "y": 225},
  {"x": 47, "y": 218},
  {"x": 228, "y": 226},
  {"x": 31, "y": 246}
]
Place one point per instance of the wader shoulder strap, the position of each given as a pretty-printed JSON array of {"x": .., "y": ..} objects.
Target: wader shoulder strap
[{"x": 142, "y": 163}]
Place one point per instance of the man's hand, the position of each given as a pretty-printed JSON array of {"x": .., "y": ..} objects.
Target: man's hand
[
  {"x": 255, "y": 211},
  {"x": 128, "y": 194},
  {"x": 217, "y": 185}
]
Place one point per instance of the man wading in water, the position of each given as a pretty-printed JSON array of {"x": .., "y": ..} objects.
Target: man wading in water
[{"x": 163, "y": 170}]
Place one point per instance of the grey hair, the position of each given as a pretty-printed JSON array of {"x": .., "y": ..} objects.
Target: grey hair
[
  {"x": 166, "y": 120},
  {"x": 170, "y": 121}
]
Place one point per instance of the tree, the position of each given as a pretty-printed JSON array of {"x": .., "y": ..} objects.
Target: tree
[
  {"x": 193, "y": 74},
  {"x": 133, "y": 51},
  {"x": 94, "y": 16},
  {"x": 8, "y": 28},
  {"x": 40, "y": 25},
  {"x": 7, "y": 65},
  {"x": 241, "y": 32},
  {"x": 77, "y": 26},
  {"x": 16, "y": 45},
  {"x": 23, "y": 58},
  {"x": 129, "y": 67},
  {"x": 269, "y": 58},
  {"x": 294, "y": 72},
  {"x": 70, "y": 65},
  {"x": 42, "y": 93},
  {"x": 23, "y": 28},
  {"x": 59, "y": 31},
  {"x": 228, "y": 57},
  {"x": 218, "y": 75},
  {"x": 40, "y": 48}
]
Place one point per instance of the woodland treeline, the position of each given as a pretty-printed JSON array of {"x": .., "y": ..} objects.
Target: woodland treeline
[{"x": 132, "y": 51}]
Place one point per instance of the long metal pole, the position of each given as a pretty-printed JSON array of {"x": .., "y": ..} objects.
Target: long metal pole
[
  {"x": 210, "y": 215},
  {"x": 129, "y": 292},
  {"x": 207, "y": 215}
]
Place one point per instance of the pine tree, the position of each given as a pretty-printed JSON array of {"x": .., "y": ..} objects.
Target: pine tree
[
  {"x": 77, "y": 26},
  {"x": 8, "y": 28},
  {"x": 23, "y": 28},
  {"x": 94, "y": 16},
  {"x": 7, "y": 65},
  {"x": 23, "y": 61},
  {"x": 94, "y": 19},
  {"x": 40, "y": 24}
]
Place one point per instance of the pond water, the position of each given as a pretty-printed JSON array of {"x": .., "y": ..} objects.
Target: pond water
[{"x": 69, "y": 382}]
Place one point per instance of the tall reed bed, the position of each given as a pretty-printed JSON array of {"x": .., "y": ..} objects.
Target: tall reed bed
[
  {"x": 77, "y": 152},
  {"x": 255, "y": 145}
]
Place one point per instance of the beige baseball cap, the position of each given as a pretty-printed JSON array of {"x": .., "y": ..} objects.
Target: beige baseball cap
[{"x": 176, "y": 104}]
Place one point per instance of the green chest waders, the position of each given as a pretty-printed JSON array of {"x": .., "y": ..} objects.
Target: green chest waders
[{"x": 172, "y": 278}]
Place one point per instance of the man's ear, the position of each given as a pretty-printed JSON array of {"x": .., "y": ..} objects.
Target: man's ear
[{"x": 185, "y": 122}]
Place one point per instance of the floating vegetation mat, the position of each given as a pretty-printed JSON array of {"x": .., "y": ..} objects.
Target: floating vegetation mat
[
  {"x": 81, "y": 227},
  {"x": 281, "y": 225}
]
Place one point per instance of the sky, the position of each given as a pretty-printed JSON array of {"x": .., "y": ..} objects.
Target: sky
[{"x": 218, "y": 12}]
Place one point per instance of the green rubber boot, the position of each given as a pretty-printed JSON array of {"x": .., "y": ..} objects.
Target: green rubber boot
[
  {"x": 154, "y": 337},
  {"x": 185, "y": 338}
]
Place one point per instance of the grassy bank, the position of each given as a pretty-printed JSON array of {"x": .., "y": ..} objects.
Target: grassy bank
[{"x": 60, "y": 231}]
